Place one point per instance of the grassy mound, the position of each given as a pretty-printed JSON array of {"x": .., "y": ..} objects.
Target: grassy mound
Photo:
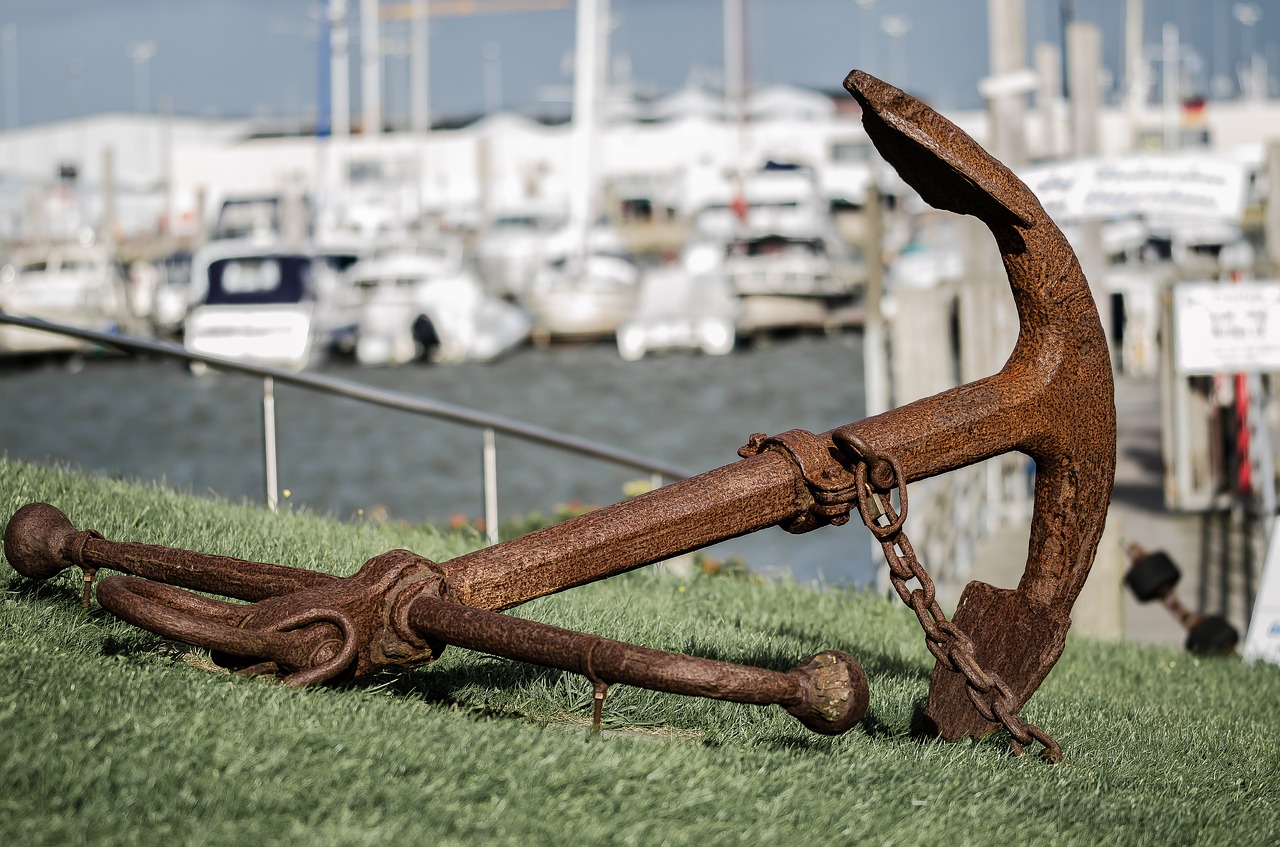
[{"x": 109, "y": 735}]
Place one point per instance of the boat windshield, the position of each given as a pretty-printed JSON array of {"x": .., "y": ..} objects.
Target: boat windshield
[
  {"x": 76, "y": 265},
  {"x": 175, "y": 269},
  {"x": 257, "y": 280}
]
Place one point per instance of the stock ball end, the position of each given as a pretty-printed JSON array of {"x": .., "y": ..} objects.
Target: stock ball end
[
  {"x": 34, "y": 538},
  {"x": 836, "y": 693}
]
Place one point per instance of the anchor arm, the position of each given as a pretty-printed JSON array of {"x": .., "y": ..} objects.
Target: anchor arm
[
  {"x": 827, "y": 692},
  {"x": 40, "y": 542},
  {"x": 1053, "y": 400}
]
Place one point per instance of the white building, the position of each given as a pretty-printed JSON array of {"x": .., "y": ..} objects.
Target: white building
[{"x": 177, "y": 171}]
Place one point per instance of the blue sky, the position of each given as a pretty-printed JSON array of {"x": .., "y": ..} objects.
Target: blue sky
[{"x": 260, "y": 57}]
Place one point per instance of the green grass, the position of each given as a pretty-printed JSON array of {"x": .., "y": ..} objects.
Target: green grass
[{"x": 109, "y": 735}]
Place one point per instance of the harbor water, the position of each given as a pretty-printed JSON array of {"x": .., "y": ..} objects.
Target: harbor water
[{"x": 152, "y": 420}]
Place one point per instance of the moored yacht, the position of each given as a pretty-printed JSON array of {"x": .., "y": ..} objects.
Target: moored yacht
[
  {"x": 782, "y": 256},
  {"x": 685, "y": 305},
  {"x": 75, "y": 284},
  {"x": 788, "y": 281},
  {"x": 265, "y": 303},
  {"x": 582, "y": 296},
  {"x": 426, "y": 303},
  {"x": 512, "y": 248}
]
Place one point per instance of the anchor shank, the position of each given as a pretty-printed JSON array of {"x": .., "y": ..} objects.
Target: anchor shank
[{"x": 714, "y": 506}]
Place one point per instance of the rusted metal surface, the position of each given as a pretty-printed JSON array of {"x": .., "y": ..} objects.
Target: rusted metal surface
[
  {"x": 1053, "y": 401},
  {"x": 992, "y": 698},
  {"x": 827, "y": 693},
  {"x": 308, "y": 628}
]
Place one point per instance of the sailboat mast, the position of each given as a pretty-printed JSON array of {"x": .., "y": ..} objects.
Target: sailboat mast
[
  {"x": 588, "y": 70},
  {"x": 735, "y": 59},
  {"x": 419, "y": 68},
  {"x": 339, "y": 70},
  {"x": 371, "y": 66}
]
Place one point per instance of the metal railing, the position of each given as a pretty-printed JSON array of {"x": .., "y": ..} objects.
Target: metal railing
[{"x": 489, "y": 424}]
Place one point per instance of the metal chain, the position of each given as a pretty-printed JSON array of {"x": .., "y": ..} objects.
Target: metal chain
[{"x": 948, "y": 643}]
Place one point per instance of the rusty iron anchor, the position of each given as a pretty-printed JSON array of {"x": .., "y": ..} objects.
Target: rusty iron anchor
[{"x": 1053, "y": 400}]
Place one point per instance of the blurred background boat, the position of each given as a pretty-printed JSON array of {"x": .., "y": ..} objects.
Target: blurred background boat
[
  {"x": 682, "y": 305},
  {"x": 424, "y": 303},
  {"x": 69, "y": 283},
  {"x": 268, "y": 303}
]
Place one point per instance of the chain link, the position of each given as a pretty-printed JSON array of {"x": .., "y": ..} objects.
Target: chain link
[{"x": 990, "y": 695}]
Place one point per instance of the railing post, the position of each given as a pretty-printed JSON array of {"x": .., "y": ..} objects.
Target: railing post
[
  {"x": 269, "y": 439},
  {"x": 490, "y": 485}
]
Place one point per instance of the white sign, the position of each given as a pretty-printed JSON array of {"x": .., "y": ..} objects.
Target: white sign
[
  {"x": 1226, "y": 327},
  {"x": 1161, "y": 188},
  {"x": 1008, "y": 84},
  {"x": 1263, "y": 640}
]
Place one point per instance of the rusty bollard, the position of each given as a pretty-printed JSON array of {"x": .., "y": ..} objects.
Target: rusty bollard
[{"x": 1053, "y": 401}]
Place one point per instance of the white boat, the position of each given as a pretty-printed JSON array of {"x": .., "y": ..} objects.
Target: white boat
[
  {"x": 582, "y": 297},
  {"x": 167, "y": 286},
  {"x": 934, "y": 255},
  {"x": 427, "y": 304},
  {"x": 74, "y": 284},
  {"x": 681, "y": 306},
  {"x": 260, "y": 302},
  {"x": 782, "y": 255},
  {"x": 788, "y": 281},
  {"x": 780, "y": 197},
  {"x": 257, "y": 216},
  {"x": 512, "y": 248}
]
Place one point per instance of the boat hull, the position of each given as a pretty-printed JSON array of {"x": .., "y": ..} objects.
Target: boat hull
[
  {"x": 766, "y": 312},
  {"x": 578, "y": 313},
  {"x": 269, "y": 336},
  {"x": 20, "y": 341}
]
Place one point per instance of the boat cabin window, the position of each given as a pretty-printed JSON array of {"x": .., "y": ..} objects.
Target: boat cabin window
[
  {"x": 243, "y": 218},
  {"x": 259, "y": 280},
  {"x": 367, "y": 284},
  {"x": 776, "y": 245},
  {"x": 529, "y": 222},
  {"x": 851, "y": 151},
  {"x": 339, "y": 261},
  {"x": 35, "y": 267},
  {"x": 358, "y": 172},
  {"x": 637, "y": 209}
]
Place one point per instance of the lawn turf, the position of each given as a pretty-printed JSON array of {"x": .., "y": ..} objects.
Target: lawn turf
[{"x": 110, "y": 735}]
